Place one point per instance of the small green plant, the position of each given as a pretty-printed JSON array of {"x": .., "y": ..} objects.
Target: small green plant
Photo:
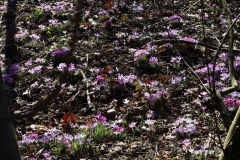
[
  {"x": 222, "y": 128},
  {"x": 215, "y": 8},
  {"x": 153, "y": 61},
  {"x": 100, "y": 132},
  {"x": 37, "y": 15},
  {"x": 58, "y": 29},
  {"x": 57, "y": 149},
  {"x": 141, "y": 56},
  {"x": 176, "y": 21},
  {"x": 103, "y": 18}
]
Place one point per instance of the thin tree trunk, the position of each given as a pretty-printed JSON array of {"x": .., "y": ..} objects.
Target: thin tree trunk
[
  {"x": 9, "y": 149},
  {"x": 231, "y": 144}
]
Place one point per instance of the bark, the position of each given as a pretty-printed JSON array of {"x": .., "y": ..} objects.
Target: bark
[
  {"x": 232, "y": 142},
  {"x": 231, "y": 146},
  {"x": 9, "y": 149}
]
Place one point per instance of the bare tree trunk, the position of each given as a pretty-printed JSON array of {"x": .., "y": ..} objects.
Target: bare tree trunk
[
  {"x": 9, "y": 149},
  {"x": 231, "y": 146}
]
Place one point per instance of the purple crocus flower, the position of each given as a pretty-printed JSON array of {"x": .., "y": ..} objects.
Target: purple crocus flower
[
  {"x": 71, "y": 67},
  {"x": 125, "y": 79},
  {"x": 80, "y": 142},
  {"x": 139, "y": 53},
  {"x": 168, "y": 45},
  {"x": 175, "y": 17},
  {"x": 39, "y": 60},
  {"x": 153, "y": 60},
  {"x": 47, "y": 155},
  {"x": 132, "y": 124},
  {"x": 100, "y": 118},
  {"x": 176, "y": 80},
  {"x": 59, "y": 52},
  {"x": 189, "y": 39},
  {"x": 139, "y": 8},
  {"x": 32, "y": 137},
  {"x": 28, "y": 63},
  {"x": 14, "y": 68},
  {"x": 59, "y": 8},
  {"x": 99, "y": 78},
  {"x": 103, "y": 12},
  {"x": 172, "y": 34},
  {"x": 5, "y": 7},
  {"x": 61, "y": 66},
  {"x": 38, "y": 69},
  {"x": 151, "y": 47},
  {"x": 34, "y": 36},
  {"x": 176, "y": 59},
  {"x": 45, "y": 138},
  {"x": 150, "y": 122},
  {"x": 41, "y": 26},
  {"x": 186, "y": 142},
  {"x": 118, "y": 129},
  {"x": 7, "y": 78}
]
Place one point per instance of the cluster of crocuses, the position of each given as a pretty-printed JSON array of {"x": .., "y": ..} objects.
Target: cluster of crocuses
[
  {"x": 185, "y": 126},
  {"x": 81, "y": 139},
  {"x": 188, "y": 147},
  {"x": 222, "y": 78},
  {"x": 141, "y": 55}
]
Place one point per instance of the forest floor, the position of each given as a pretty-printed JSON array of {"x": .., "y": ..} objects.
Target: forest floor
[{"x": 129, "y": 93}]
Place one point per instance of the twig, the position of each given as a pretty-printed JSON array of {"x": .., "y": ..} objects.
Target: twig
[
  {"x": 195, "y": 74},
  {"x": 87, "y": 91},
  {"x": 73, "y": 98},
  {"x": 162, "y": 41},
  {"x": 209, "y": 27},
  {"x": 190, "y": 8},
  {"x": 156, "y": 150}
]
